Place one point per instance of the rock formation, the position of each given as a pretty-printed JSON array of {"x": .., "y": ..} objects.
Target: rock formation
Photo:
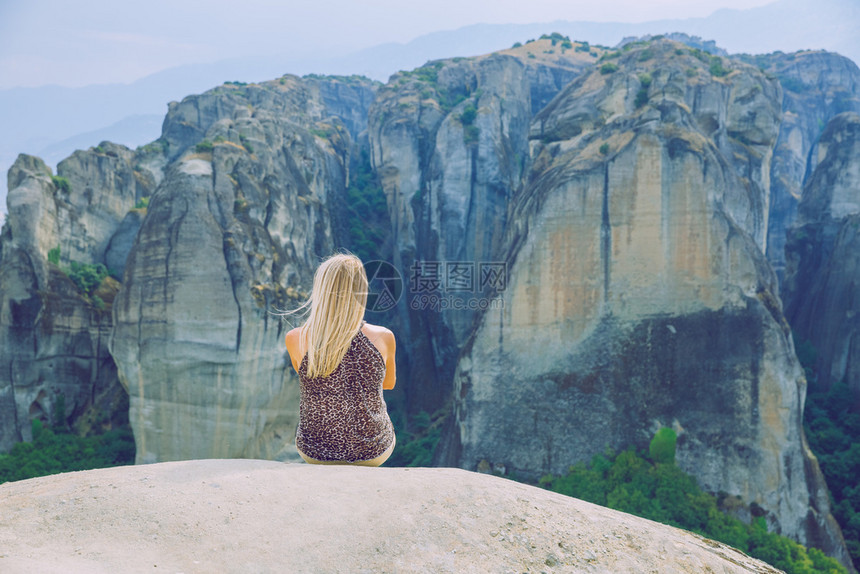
[
  {"x": 54, "y": 335},
  {"x": 234, "y": 231},
  {"x": 823, "y": 270},
  {"x": 817, "y": 86},
  {"x": 639, "y": 295},
  {"x": 634, "y": 200},
  {"x": 258, "y": 516},
  {"x": 449, "y": 142}
]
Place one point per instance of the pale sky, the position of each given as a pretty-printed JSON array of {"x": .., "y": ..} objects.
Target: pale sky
[{"x": 99, "y": 41}]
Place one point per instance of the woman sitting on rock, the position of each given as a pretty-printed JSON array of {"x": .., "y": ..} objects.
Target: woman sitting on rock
[{"x": 343, "y": 364}]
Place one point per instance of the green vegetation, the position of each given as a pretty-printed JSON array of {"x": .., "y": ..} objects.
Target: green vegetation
[
  {"x": 245, "y": 144},
  {"x": 87, "y": 276},
  {"x": 449, "y": 101},
  {"x": 417, "y": 441},
  {"x": 158, "y": 146},
  {"x": 204, "y": 146},
  {"x": 142, "y": 203},
  {"x": 555, "y": 38},
  {"x": 471, "y": 132},
  {"x": 428, "y": 73},
  {"x": 793, "y": 84},
  {"x": 662, "y": 447},
  {"x": 55, "y": 450},
  {"x": 832, "y": 424},
  {"x": 517, "y": 45},
  {"x": 604, "y": 149},
  {"x": 645, "y": 55},
  {"x": 368, "y": 211},
  {"x": 61, "y": 183},
  {"x": 54, "y": 255},
  {"x": 471, "y": 135},
  {"x": 700, "y": 55},
  {"x": 633, "y": 483},
  {"x": 608, "y": 68},
  {"x": 642, "y": 94},
  {"x": 239, "y": 84},
  {"x": 716, "y": 67},
  {"x": 320, "y": 133}
]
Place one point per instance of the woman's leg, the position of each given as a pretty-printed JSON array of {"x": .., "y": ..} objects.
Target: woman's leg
[
  {"x": 372, "y": 462},
  {"x": 379, "y": 459}
]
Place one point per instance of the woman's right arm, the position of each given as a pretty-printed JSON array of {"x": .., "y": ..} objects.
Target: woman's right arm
[{"x": 292, "y": 340}]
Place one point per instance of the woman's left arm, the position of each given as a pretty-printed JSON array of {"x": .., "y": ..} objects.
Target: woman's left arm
[{"x": 390, "y": 368}]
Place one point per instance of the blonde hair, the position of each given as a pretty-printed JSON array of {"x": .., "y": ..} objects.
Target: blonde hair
[{"x": 337, "y": 304}]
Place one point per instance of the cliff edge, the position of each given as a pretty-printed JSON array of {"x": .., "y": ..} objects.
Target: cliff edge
[{"x": 260, "y": 516}]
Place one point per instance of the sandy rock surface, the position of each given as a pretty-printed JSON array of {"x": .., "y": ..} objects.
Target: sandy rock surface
[{"x": 238, "y": 516}]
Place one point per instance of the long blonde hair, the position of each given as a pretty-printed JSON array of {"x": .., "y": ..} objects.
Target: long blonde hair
[{"x": 337, "y": 304}]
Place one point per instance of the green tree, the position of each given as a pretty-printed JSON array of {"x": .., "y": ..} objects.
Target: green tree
[
  {"x": 662, "y": 447},
  {"x": 660, "y": 491}
]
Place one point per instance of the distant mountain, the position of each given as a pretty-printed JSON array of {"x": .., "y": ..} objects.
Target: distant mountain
[
  {"x": 132, "y": 131},
  {"x": 33, "y": 119}
]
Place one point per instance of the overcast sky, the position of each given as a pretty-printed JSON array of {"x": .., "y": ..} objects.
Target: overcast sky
[{"x": 98, "y": 41}]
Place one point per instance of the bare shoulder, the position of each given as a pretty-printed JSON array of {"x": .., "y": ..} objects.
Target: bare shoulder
[
  {"x": 380, "y": 336},
  {"x": 293, "y": 335},
  {"x": 293, "y": 340},
  {"x": 378, "y": 331}
]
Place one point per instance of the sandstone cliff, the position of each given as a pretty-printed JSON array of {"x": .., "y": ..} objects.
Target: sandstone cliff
[
  {"x": 639, "y": 295},
  {"x": 823, "y": 268},
  {"x": 259, "y": 516},
  {"x": 247, "y": 206},
  {"x": 817, "y": 86},
  {"x": 449, "y": 142},
  {"x": 54, "y": 335}
]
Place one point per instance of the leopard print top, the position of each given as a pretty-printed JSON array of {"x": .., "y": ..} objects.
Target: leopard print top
[{"x": 343, "y": 416}]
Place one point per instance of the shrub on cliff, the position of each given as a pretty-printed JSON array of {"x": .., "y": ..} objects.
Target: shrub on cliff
[
  {"x": 662, "y": 447},
  {"x": 660, "y": 491},
  {"x": 87, "y": 276},
  {"x": 608, "y": 68},
  {"x": 61, "y": 183}
]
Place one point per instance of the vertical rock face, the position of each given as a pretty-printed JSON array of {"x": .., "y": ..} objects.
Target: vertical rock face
[
  {"x": 54, "y": 336},
  {"x": 449, "y": 142},
  {"x": 639, "y": 295},
  {"x": 233, "y": 232},
  {"x": 823, "y": 257},
  {"x": 817, "y": 86}
]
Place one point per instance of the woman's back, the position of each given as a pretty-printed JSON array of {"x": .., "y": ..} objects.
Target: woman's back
[
  {"x": 343, "y": 364},
  {"x": 343, "y": 416}
]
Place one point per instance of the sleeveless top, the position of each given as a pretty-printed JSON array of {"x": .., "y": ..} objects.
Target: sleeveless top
[{"x": 343, "y": 416}]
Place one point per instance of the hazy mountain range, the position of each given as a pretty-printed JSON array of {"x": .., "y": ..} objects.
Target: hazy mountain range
[{"x": 53, "y": 121}]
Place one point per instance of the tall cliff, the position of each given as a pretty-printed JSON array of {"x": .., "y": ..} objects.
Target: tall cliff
[
  {"x": 54, "y": 334},
  {"x": 823, "y": 270},
  {"x": 817, "y": 86},
  {"x": 449, "y": 142},
  {"x": 247, "y": 206},
  {"x": 639, "y": 295}
]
